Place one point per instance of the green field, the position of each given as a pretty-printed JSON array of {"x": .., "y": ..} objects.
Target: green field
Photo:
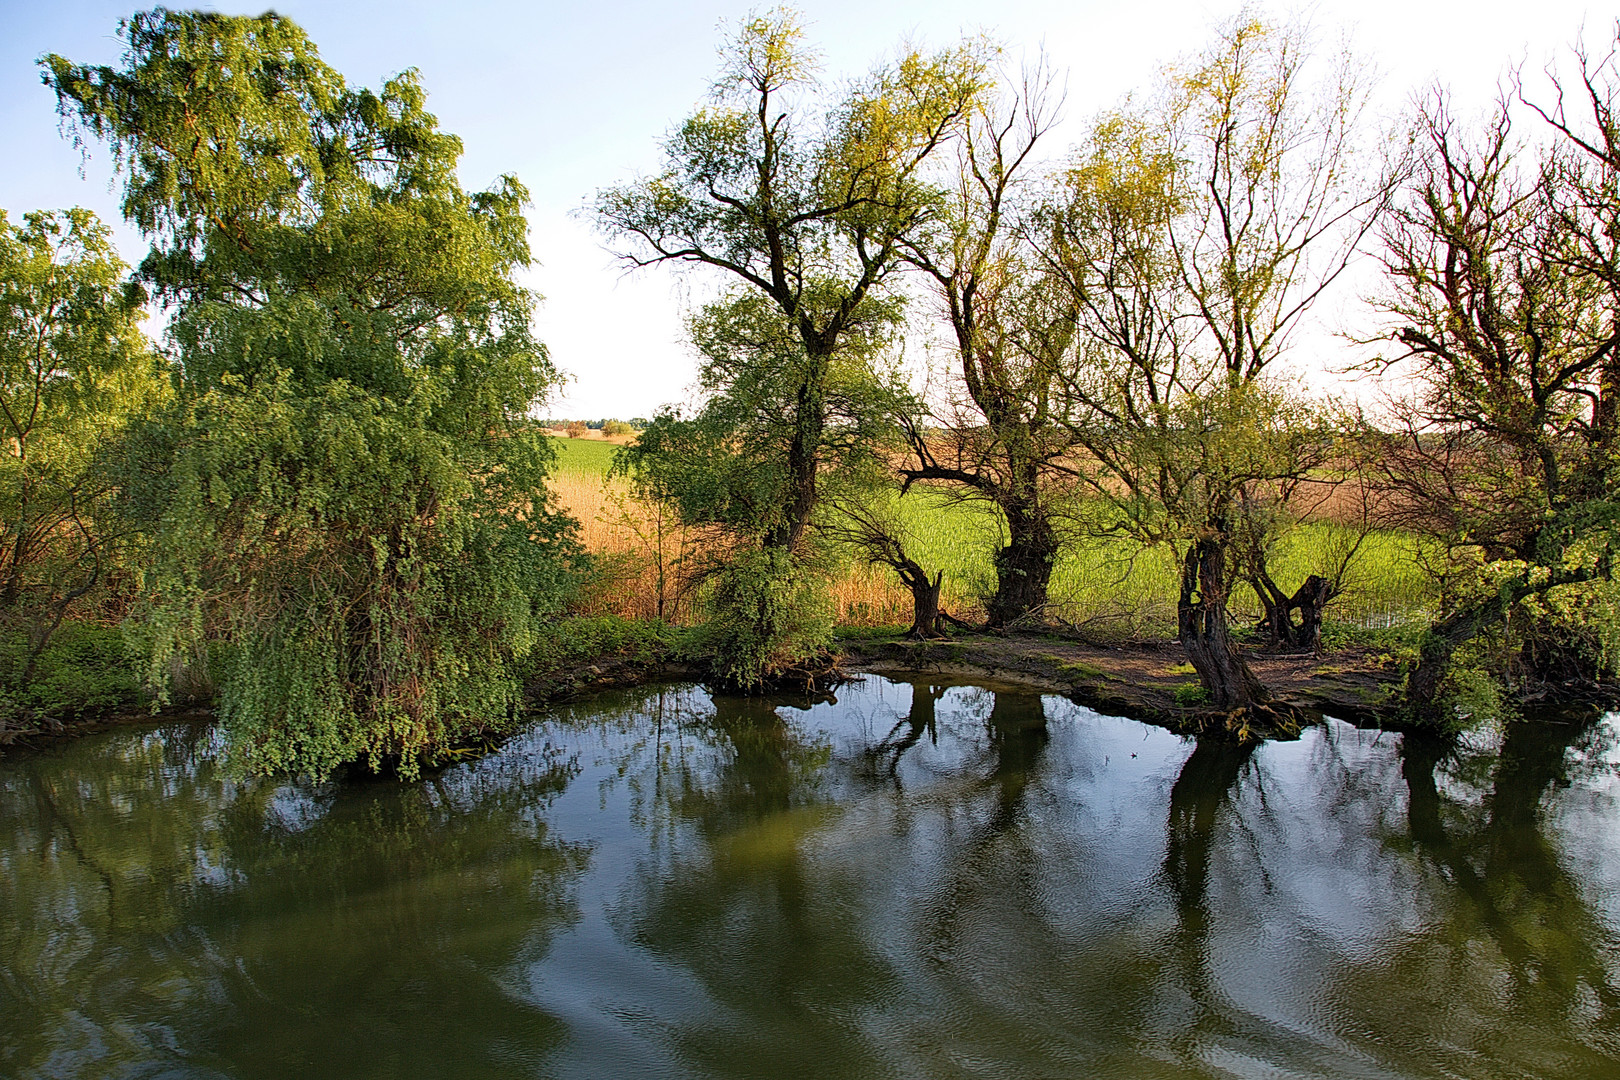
[
  {"x": 583, "y": 456},
  {"x": 1111, "y": 586}
]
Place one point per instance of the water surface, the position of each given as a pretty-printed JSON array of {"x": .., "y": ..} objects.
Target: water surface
[{"x": 909, "y": 881}]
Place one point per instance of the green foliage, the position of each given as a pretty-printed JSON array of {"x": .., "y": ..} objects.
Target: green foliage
[
  {"x": 84, "y": 669},
  {"x": 1471, "y": 695},
  {"x": 74, "y": 370},
  {"x": 768, "y": 616},
  {"x": 804, "y": 203},
  {"x": 1398, "y": 639},
  {"x": 1190, "y": 695},
  {"x": 348, "y": 486},
  {"x": 733, "y": 466},
  {"x": 566, "y": 643}
]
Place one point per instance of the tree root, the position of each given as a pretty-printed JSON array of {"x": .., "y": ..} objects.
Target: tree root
[{"x": 1256, "y": 722}]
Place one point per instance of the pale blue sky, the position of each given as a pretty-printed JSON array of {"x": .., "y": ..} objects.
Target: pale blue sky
[{"x": 572, "y": 97}]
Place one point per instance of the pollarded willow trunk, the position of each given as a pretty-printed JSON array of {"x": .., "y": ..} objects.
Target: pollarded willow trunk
[
  {"x": 925, "y": 618},
  {"x": 1202, "y": 623},
  {"x": 1023, "y": 567},
  {"x": 1444, "y": 638},
  {"x": 1440, "y": 643},
  {"x": 1310, "y": 600}
]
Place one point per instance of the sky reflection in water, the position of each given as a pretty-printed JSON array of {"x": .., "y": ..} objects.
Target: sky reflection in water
[{"x": 921, "y": 881}]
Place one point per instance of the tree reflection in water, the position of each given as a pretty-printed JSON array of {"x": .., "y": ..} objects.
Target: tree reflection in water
[
  {"x": 157, "y": 909},
  {"x": 910, "y": 880},
  {"x": 942, "y": 906},
  {"x": 1207, "y": 782}
]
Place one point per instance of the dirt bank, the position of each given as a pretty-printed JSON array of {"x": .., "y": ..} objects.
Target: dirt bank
[{"x": 1142, "y": 681}]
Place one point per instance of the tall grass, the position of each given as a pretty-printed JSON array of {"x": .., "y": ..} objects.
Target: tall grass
[{"x": 1109, "y": 587}]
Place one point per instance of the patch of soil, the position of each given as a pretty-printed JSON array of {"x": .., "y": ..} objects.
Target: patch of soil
[{"x": 1142, "y": 680}]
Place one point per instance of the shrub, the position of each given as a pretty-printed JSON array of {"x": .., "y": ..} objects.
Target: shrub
[
  {"x": 768, "y": 617},
  {"x": 86, "y": 668},
  {"x": 1190, "y": 695}
]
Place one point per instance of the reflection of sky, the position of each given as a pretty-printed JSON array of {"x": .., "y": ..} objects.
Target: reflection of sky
[
  {"x": 648, "y": 885},
  {"x": 1064, "y": 921}
]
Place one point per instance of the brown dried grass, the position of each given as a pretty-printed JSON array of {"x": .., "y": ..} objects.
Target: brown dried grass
[{"x": 622, "y": 533}]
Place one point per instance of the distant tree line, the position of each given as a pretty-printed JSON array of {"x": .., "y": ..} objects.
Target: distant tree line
[{"x": 612, "y": 426}]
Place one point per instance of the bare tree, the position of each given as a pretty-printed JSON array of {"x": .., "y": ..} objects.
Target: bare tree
[
  {"x": 1502, "y": 300},
  {"x": 1002, "y": 440}
]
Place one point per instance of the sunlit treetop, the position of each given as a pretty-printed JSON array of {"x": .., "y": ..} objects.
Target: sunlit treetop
[{"x": 253, "y": 167}]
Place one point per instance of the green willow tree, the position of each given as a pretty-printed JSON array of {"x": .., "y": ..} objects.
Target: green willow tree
[
  {"x": 348, "y": 487},
  {"x": 801, "y": 203},
  {"x": 724, "y": 470},
  {"x": 1195, "y": 235},
  {"x": 75, "y": 368},
  {"x": 1003, "y": 440}
]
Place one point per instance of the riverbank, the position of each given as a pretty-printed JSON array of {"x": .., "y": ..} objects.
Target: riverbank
[
  {"x": 1146, "y": 681},
  {"x": 1150, "y": 682}
]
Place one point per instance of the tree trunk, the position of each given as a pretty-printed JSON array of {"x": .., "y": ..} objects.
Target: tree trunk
[
  {"x": 804, "y": 456},
  {"x": 1023, "y": 567},
  {"x": 1434, "y": 657},
  {"x": 1444, "y": 637},
  {"x": 1311, "y": 598},
  {"x": 1278, "y": 622},
  {"x": 924, "y": 600},
  {"x": 1201, "y": 620},
  {"x": 804, "y": 459}
]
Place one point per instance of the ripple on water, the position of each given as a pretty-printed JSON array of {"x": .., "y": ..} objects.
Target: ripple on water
[{"x": 916, "y": 879}]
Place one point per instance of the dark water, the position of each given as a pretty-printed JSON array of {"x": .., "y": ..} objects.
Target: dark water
[{"x": 914, "y": 881}]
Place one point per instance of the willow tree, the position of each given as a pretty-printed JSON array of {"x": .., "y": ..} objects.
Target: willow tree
[
  {"x": 1004, "y": 441},
  {"x": 798, "y": 201},
  {"x": 75, "y": 369},
  {"x": 347, "y": 487},
  {"x": 1504, "y": 306},
  {"x": 725, "y": 472},
  {"x": 1196, "y": 233},
  {"x": 800, "y": 197}
]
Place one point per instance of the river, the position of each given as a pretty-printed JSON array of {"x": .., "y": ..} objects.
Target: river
[{"x": 912, "y": 880}]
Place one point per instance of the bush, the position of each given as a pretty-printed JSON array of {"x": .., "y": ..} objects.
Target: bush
[
  {"x": 86, "y": 668},
  {"x": 580, "y": 639},
  {"x": 768, "y": 617},
  {"x": 1190, "y": 695}
]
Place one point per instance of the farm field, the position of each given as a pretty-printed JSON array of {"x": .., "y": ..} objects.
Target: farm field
[{"x": 1110, "y": 587}]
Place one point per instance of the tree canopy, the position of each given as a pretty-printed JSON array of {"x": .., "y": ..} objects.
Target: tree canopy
[{"x": 349, "y": 484}]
